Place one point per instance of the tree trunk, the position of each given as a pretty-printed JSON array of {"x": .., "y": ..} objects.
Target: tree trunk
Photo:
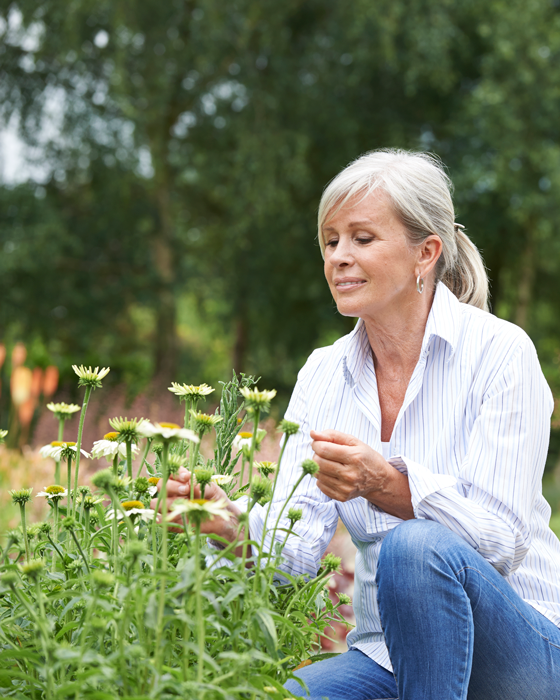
[
  {"x": 166, "y": 341},
  {"x": 240, "y": 347},
  {"x": 526, "y": 277}
]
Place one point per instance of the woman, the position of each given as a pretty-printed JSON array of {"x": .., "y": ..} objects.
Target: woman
[{"x": 430, "y": 425}]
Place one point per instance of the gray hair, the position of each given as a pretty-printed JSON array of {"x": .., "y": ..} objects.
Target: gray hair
[{"x": 420, "y": 192}]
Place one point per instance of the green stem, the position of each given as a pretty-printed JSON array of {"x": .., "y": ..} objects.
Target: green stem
[
  {"x": 69, "y": 485},
  {"x": 24, "y": 528},
  {"x": 194, "y": 460},
  {"x": 265, "y": 524},
  {"x": 87, "y": 527},
  {"x": 190, "y": 403},
  {"x": 55, "y": 531},
  {"x": 199, "y": 615},
  {"x": 129, "y": 459},
  {"x": 252, "y": 451},
  {"x": 163, "y": 563},
  {"x": 188, "y": 406},
  {"x": 57, "y": 462},
  {"x": 250, "y": 489},
  {"x": 55, "y": 547},
  {"x": 85, "y": 631},
  {"x": 271, "y": 552},
  {"x": 308, "y": 584},
  {"x": 79, "y": 442},
  {"x": 45, "y": 639},
  {"x": 114, "y": 531},
  {"x": 80, "y": 550},
  {"x": 148, "y": 445}
]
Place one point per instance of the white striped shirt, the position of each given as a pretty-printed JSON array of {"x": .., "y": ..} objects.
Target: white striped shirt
[{"x": 472, "y": 435}]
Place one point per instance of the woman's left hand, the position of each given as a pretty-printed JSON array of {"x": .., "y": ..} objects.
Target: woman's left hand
[{"x": 348, "y": 467}]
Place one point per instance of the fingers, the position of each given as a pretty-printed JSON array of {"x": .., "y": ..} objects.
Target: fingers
[
  {"x": 178, "y": 489},
  {"x": 333, "y": 452},
  {"x": 182, "y": 475},
  {"x": 331, "y": 468},
  {"x": 335, "y": 489},
  {"x": 334, "y": 436}
]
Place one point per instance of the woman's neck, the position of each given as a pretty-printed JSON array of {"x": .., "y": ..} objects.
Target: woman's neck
[{"x": 396, "y": 341}]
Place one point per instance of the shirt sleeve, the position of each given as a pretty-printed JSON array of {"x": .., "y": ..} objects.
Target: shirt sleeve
[
  {"x": 303, "y": 551},
  {"x": 489, "y": 503}
]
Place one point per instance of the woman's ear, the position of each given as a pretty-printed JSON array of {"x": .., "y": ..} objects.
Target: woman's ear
[{"x": 429, "y": 252}]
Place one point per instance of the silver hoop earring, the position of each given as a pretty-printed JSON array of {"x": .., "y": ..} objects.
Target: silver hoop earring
[{"x": 419, "y": 284}]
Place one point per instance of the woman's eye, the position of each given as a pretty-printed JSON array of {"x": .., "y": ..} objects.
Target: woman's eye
[
  {"x": 332, "y": 243},
  {"x": 364, "y": 241}
]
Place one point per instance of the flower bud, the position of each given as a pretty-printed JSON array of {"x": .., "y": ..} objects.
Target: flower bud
[
  {"x": 288, "y": 428},
  {"x": 309, "y": 467},
  {"x": 330, "y": 563},
  {"x": 103, "y": 479},
  {"x": 33, "y": 569},
  {"x": 102, "y": 579},
  {"x": 295, "y": 514},
  {"x": 141, "y": 485},
  {"x": 20, "y": 496}
]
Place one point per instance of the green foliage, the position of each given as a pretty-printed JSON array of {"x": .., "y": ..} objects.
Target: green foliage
[
  {"x": 176, "y": 227},
  {"x": 117, "y": 605}
]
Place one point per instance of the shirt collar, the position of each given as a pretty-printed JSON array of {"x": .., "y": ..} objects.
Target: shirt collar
[{"x": 443, "y": 322}]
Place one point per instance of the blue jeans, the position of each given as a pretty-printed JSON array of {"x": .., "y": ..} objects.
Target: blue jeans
[{"x": 454, "y": 627}]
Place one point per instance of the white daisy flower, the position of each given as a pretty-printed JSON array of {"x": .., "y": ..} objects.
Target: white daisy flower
[
  {"x": 132, "y": 508},
  {"x": 91, "y": 377},
  {"x": 221, "y": 479},
  {"x": 63, "y": 410},
  {"x": 243, "y": 440},
  {"x": 54, "y": 492},
  {"x": 163, "y": 432},
  {"x": 152, "y": 490},
  {"x": 184, "y": 390},
  {"x": 109, "y": 447},
  {"x": 256, "y": 399},
  {"x": 200, "y": 508},
  {"x": 61, "y": 450}
]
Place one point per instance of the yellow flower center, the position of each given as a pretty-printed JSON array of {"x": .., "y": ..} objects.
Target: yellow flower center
[
  {"x": 129, "y": 505},
  {"x": 111, "y": 436},
  {"x": 245, "y": 436},
  {"x": 154, "y": 480},
  {"x": 199, "y": 501},
  {"x": 173, "y": 426},
  {"x": 54, "y": 489},
  {"x": 56, "y": 443}
]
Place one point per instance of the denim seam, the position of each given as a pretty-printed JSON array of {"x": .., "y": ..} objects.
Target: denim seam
[
  {"x": 467, "y": 663},
  {"x": 513, "y": 605},
  {"x": 388, "y": 652}
]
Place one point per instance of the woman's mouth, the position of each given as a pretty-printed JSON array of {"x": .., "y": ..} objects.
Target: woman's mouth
[{"x": 348, "y": 285}]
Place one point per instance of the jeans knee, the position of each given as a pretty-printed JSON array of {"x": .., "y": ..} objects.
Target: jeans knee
[{"x": 412, "y": 544}]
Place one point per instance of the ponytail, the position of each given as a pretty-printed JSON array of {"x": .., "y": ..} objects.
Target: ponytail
[{"x": 467, "y": 279}]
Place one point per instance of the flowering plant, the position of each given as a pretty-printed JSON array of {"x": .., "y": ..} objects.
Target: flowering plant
[{"x": 108, "y": 598}]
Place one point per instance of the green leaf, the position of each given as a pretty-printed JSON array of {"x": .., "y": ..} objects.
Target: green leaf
[
  {"x": 266, "y": 625},
  {"x": 234, "y": 592}
]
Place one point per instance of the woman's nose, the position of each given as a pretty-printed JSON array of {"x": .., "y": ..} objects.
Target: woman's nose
[{"x": 341, "y": 255}]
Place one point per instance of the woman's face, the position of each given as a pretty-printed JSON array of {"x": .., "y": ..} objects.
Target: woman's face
[{"x": 369, "y": 264}]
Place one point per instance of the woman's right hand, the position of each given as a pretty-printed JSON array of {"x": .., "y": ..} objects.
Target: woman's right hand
[{"x": 179, "y": 486}]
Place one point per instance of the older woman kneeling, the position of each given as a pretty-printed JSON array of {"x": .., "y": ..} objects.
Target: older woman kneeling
[{"x": 430, "y": 423}]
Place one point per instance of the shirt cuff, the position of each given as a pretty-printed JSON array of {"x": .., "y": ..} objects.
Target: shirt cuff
[{"x": 422, "y": 482}]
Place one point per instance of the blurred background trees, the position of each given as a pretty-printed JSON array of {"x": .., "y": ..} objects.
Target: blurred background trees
[{"x": 177, "y": 152}]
